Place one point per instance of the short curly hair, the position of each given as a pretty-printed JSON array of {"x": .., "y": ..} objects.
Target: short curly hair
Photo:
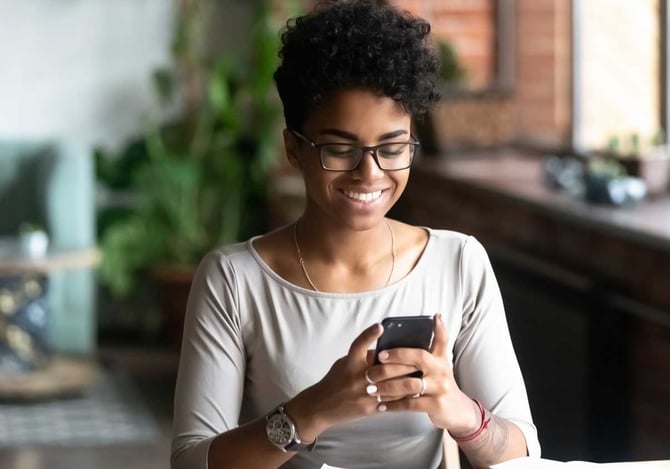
[{"x": 355, "y": 44}]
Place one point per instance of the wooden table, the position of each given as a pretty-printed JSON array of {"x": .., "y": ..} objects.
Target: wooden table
[
  {"x": 12, "y": 261},
  {"x": 63, "y": 375}
]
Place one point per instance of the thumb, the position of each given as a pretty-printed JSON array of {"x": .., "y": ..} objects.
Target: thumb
[
  {"x": 439, "y": 346},
  {"x": 361, "y": 344}
]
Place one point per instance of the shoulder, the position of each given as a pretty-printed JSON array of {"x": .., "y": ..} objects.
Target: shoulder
[
  {"x": 222, "y": 267},
  {"x": 452, "y": 242},
  {"x": 448, "y": 236},
  {"x": 465, "y": 252},
  {"x": 227, "y": 257}
]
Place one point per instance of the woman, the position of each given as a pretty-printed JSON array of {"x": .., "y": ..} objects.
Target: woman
[{"x": 276, "y": 367}]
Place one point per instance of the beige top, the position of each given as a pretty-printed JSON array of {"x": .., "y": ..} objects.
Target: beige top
[{"x": 253, "y": 340}]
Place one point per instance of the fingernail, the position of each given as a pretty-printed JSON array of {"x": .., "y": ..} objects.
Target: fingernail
[
  {"x": 384, "y": 356},
  {"x": 371, "y": 389},
  {"x": 438, "y": 317},
  {"x": 381, "y": 408}
]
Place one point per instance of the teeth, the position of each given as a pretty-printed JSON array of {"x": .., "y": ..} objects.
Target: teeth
[{"x": 363, "y": 196}]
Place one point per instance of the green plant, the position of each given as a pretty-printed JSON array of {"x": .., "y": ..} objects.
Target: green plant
[
  {"x": 450, "y": 72},
  {"x": 633, "y": 145},
  {"x": 200, "y": 181},
  {"x": 28, "y": 228}
]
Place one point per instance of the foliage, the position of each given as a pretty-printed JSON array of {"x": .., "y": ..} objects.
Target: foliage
[
  {"x": 633, "y": 145},
  {"x": 450, "y": 72},
  {"x": 200, "y": 181}
]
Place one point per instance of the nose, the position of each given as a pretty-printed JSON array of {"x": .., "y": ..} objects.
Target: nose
[{"x": 367, "y": 167}]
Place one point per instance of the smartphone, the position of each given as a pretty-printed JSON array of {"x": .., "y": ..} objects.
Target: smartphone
[{"x": 406, "y": 332}]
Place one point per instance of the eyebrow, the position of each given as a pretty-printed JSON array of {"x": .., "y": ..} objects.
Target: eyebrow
[{"x": 350, "y": 136}]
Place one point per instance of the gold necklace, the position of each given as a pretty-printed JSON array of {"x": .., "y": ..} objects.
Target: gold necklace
[{"x": 301, "y": 261}]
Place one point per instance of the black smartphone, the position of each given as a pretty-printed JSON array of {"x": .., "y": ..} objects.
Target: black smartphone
[{"x": 406, "y": 332}]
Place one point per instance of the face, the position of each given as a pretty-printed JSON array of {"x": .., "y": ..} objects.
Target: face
[{"x": 358, "y": 199}]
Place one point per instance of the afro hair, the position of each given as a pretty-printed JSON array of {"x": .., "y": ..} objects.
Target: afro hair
[{"x": 355, "y": 44}]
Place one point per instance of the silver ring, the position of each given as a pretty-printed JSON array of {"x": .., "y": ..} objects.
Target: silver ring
[
  {"x": 367, "y": 378},
  {"x": 423, "y": 389},
  {"x": 379, "y": 398}
]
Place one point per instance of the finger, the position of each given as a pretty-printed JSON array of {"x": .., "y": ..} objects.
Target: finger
[
  {"x": 361, "y": 344},
  {"x": 439, "y": 346},
  {"x": 414, "y": 357},
  {"x": 401, "y": 387},
  {"x": 378, "y": 373},
  {"x": 380, "y": 398},
  {"x": 407, "y": 404}
]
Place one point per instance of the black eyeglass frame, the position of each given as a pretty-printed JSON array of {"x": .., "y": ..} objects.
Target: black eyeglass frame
[{"x": 362, "y": 150}]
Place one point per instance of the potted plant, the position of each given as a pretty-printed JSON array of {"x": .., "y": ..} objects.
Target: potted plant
[{"x": 198, "y": 182}]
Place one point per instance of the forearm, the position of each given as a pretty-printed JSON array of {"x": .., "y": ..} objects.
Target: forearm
[
  {"x": 246, "y": 446},
  {"x": 501, "y": 441}
]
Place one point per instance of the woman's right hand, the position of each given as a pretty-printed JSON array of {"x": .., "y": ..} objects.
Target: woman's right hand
[{"x": 342, "y": 394}]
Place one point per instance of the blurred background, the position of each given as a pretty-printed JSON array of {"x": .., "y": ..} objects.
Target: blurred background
[{"x": 136, "y": 135}]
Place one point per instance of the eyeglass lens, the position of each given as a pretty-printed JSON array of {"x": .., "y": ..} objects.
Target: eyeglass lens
[{"x": 390, "y": 156}]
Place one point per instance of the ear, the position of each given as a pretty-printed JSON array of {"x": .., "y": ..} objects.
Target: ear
[{"x": 291, "y": 147}]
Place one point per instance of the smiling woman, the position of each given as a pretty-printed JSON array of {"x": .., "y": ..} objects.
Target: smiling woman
[
  {"x": 277, "y": 367},
  {"x": 347, "y": 184}
]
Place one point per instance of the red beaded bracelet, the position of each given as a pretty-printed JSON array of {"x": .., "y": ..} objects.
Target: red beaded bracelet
[{"x": 482, "y": 426}]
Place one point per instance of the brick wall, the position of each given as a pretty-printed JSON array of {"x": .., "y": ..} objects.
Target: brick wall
[
  {"x": 542, "y": 85},
  {"x": 469, "y": 25},
  {"x": 543, "y": 81}
]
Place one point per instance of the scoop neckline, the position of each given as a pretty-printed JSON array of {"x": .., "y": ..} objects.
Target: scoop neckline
[{"x": 321, "y": 294}]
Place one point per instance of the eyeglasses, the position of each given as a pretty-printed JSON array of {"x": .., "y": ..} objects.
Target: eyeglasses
[{"x": 391, "y": 156}]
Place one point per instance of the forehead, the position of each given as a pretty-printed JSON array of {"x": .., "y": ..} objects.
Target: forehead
[{"x": 360, "y": 112}]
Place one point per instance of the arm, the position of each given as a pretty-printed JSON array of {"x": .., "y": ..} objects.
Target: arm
[
  {"x": 496, "y": 440},
  {"x": 211, "y": 378},
  {"x": 210, "y": 382},
  {"x": 485, "y": 368},
  {"x": 485, "y": 439}
]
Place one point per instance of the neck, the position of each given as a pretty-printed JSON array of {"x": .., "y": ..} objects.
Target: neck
[
  {"x": 335, "y": 245},
  {"x": 354, "y": 265}
]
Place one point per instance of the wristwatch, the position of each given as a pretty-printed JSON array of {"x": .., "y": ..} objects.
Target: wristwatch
[{"x": 282, "y": 432}]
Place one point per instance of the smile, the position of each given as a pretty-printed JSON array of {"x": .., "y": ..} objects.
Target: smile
[{"x": 363, "y": 196}]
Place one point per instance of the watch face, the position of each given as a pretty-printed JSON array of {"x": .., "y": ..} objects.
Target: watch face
[{"x": 279, "y": 429}]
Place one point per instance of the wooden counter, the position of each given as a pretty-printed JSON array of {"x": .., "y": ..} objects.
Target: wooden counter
[{"x": 587, "y": 293}]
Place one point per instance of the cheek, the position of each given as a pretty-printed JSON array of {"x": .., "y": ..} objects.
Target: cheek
[
  {"x": 401, "y": 182},
  {"x": 317, "y": 181}
]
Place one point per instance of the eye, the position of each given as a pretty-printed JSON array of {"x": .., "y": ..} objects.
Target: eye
[
  {"x": 338, "y": 151},
  {"x": 392, "y": 150}
]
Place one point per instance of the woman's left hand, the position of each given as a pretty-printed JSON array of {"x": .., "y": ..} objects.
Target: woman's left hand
[{"x": 436, "y": 393}]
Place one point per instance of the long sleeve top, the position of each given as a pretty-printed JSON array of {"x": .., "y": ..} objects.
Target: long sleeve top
[{"x": 254, "y": 340}]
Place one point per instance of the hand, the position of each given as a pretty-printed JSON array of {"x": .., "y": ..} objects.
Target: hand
[
  {"x": 439, "y": 395},
  {"x": 341, "y": 395}
]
